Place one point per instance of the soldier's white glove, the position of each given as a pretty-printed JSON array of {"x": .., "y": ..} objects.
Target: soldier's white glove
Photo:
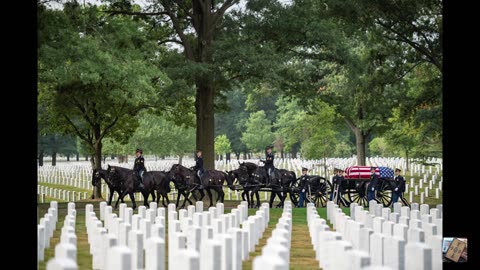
[
  {"x": 396, "y": 189},
  {"x": 303, "y": 190},
  {"x": 373, "y": 189}
]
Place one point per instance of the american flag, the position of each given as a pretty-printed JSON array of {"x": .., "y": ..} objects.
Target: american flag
[
  {"x": 386, "y": 172},
  {"x": 357, "y": 172}
]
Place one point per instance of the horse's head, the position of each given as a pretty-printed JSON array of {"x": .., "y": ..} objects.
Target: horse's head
[
  {"x": 230, "y": 178},
  {"x": 96, "y": 177},
  {"x": 243, "y": 174}
]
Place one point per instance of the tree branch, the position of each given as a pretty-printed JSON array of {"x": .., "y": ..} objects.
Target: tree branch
[
  {"x": 170, "y": 40},
  {"x": 114, "y": 12},
  {"x": 82, "y": 136},
  {"x": 221, "y": 11},
  {"x": 180, "y": 33}
]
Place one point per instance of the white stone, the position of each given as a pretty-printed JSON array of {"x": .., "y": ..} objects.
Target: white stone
[
  {"x": 211, "y": 255},
  {"x": 135, "y": 243},
  {"x": 394, "y": 253},
  {"x": 61, "y": 264},
  {"x": 416, "y": 235},
  {"x": 376, "y": 248},
  {"x": 119, "y": 258},
  {"x": 400, "y": 231},
  {"x": 199, "y": 206},
  {"x": 66, "y": 250},
  {"x": 418, "y": 256},
  {"x": 155, "y": 253}
]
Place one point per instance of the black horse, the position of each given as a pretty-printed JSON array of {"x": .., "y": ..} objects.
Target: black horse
[
  {"x": 129, "y": 183},
  {"x": 162, "y": 186},
  {"x": 287, "y": 180},
  {"x": 232, "y": 177},
  {"x": 185, "y": 183},
  {"x": 256, "y": 178},
  {"x": 98, "y": 175},
  {"x": 214, "y": 180}
]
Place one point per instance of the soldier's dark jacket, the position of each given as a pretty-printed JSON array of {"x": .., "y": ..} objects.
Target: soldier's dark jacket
[
  {"x": 199, "y": 164},
  {"x": 400, "y": 181},
  {"x": 139, "y": 164},
  {"x": 373, "y": 181},
  {"x": 269, "y": 161}
]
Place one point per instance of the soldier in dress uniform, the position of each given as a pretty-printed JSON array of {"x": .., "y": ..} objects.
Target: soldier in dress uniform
[
  {"x": 334, "y": 182},
  {"x": 340, "y": 179},
  {"x": 269, "y": 167},
  {"x": 199, "y": 167},
  {"x": 372, "y": 185},
  {"x": 303, "y": 187},
  {"x": 399, "y": 186},
  {"x": 139, "y": 165}
]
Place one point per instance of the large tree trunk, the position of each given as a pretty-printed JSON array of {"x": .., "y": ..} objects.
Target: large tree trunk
[
  {"x": 54, "y": 158},
  {"x": 180, "y": 159},
  {"x": 406, "y": 154},
  {"x": 78, "y": 157},
  {"x": 86, "y": 157},
  {"x": 97, "y": 190},
  {"x": 40, "y": 158},
  {"x": 244, "y": 155},
  {"x": 68, "y": 157},
  {"x": 227, "y": 156},
  {"x": 281, "y": 153},
  {"x": 205, "y": 122},
  {"x": 360, "y": 139}
]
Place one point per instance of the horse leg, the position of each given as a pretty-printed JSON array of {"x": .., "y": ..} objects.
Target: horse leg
[
  {"x": 118, "y": 199},
  {"x": 209, "y": 193},
  {"x": 132, "y": 197},
  {"x": 178, "y": 197},
  {"x": 145, "y": 198},
  {"x": 110, "y": 196},
  {"x": 221, "y": 194},
  {"x": 185, "y": 194},
  {"x": 273, "y": 194},
  {"x": 257, "y": 195},
  {"x": 165, "y": 196},
  {"x": 251, "y": 197}
]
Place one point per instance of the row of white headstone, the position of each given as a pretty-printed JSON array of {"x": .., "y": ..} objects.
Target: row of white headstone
[
  {"x": 66, "y": 250},
  {"x": 276, "y": 253},
  {"x": 85, "y": 183},
  {"x": 403, "y": 239},
  {"x": 46, "y": 228},
  {"x": 120, "y": 242},
  {"x": 60, "y": 194}
]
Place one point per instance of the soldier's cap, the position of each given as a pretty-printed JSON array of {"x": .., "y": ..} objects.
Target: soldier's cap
[
  {"x": 373, "y": 168},
  {"x": 398, "y": 170},
  {"x": 268, "y": 147},
  {"x": 304, "y": 169},
  {"x": 340, "y": 170},
  {"x": 139, "y": 150}
]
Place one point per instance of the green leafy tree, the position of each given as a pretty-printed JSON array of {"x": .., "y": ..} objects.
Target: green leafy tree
[
  {"x": 222, "y": 145},
  {"x": 232, "y": 121},
  {"x": 96, "y": 74},
  {"x": 195, "y": 27},
  {"x": 258, "y": 133}
]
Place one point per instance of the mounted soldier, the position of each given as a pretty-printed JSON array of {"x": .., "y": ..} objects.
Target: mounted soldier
[
  {"x": 139, "y": 166},
  {"x": 199, "y": 168},
  {"x": 269, "y": 167}
]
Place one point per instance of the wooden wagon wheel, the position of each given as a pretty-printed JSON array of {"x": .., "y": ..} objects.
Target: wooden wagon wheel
[
  {"x": 358, "y": 194},
  {"x": 294, "y": 196},
  {"x": 323, "y": 194},
  {"x": 384, "y": 193}
]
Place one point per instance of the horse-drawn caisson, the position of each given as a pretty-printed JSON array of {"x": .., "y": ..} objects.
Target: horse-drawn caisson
[
  {"x": 357, "y": 179},
  {"x": 251, "y": 179}
]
